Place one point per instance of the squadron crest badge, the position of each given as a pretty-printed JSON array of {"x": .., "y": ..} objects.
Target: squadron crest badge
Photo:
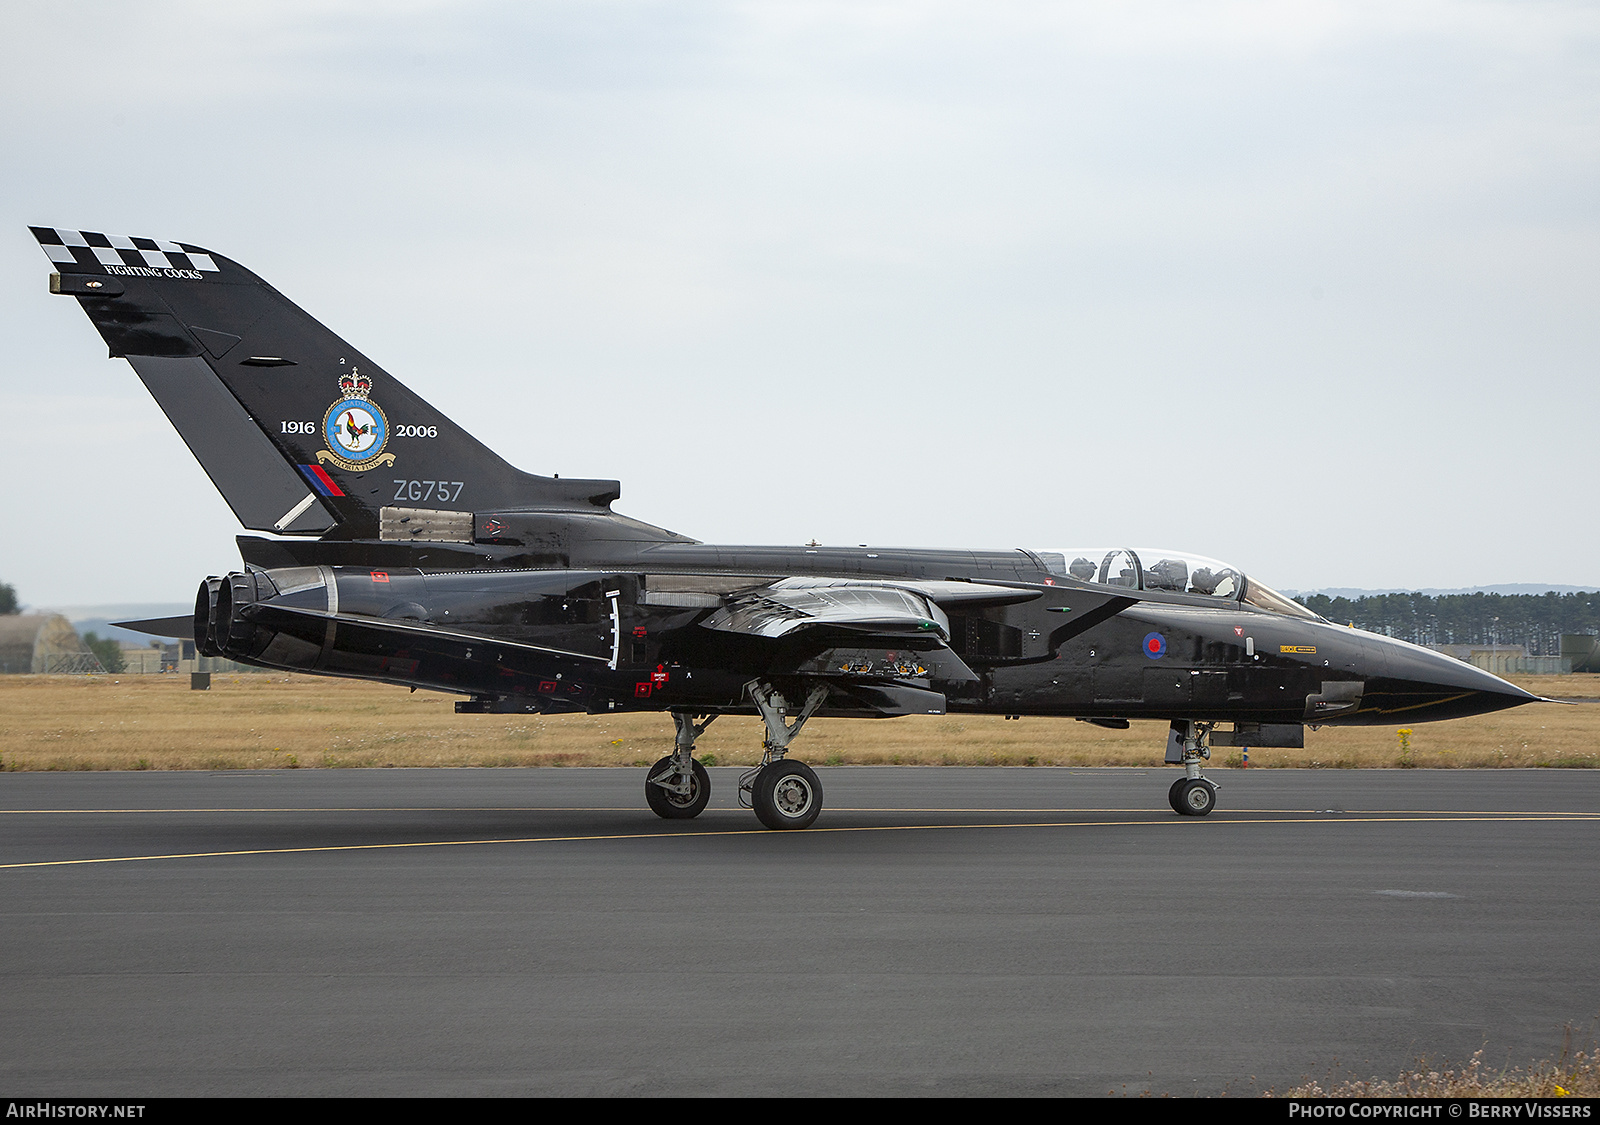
[{"x": 354, "y": 428}]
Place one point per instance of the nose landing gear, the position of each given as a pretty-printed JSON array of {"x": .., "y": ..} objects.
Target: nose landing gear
[
  {"x": 1193, "y": 794},
  {"x": 678, "y": 787}
]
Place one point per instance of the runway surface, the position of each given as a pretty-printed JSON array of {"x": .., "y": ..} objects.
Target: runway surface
[{"x": 940, "y": 931}]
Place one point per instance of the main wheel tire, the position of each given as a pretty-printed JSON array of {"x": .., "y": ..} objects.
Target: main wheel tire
[
  {"x": 675, "y": 806},
  {"x": 1172, "y": 794},
  {"x": 1197, "y": 797},
  {"x": 786, "y": 794}
]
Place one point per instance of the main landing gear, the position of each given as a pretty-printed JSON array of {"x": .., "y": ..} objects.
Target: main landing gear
[
  {"x": 678, "y": 787},
  {"x": 1193, "y": 794},
  {"x": 783, "y": 793}
]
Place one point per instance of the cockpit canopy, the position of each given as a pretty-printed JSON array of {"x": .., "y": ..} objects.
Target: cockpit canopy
[{"x": 1147, "y": 568}]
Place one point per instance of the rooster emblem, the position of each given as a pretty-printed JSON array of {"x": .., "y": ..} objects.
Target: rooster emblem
[{"x": 351, "y": 432}]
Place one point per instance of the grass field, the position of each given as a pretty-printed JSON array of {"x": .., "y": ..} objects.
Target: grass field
[
  {"x": 1575, "y": 1074},
  {"x": 268, "y": 721}
]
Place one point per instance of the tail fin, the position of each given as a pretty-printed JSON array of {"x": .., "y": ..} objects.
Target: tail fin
[{"x": 301, "y": 433}]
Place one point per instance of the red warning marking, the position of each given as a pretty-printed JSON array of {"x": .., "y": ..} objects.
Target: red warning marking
[
  {"x": 641, "y": 691},
  {"x": 380, "y": 576}
]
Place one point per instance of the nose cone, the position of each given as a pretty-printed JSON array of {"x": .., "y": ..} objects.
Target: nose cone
[{"x": 1422, "y": 685}]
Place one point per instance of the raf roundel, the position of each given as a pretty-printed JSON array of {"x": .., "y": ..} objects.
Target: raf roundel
[{"x": 1155, "y": 646}]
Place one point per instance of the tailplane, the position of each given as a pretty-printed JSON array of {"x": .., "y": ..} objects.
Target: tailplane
[{"x": 300, "y": 432}]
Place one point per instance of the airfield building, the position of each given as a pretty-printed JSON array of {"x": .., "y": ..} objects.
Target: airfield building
[
  {"x": 1511, "y": 660},
  {"x": 35, "y": 643}
]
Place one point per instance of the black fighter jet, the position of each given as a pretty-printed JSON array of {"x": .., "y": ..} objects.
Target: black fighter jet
[{"x": 416, "y": 556}]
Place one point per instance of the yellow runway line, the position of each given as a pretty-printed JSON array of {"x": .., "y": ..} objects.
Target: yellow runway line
[
  {"x": 808, "y": 833},
  {"x": 832, "y": 809},
  {"x": 319, "y": 809}
]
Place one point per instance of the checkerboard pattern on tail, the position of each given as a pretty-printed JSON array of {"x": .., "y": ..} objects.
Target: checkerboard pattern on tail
[{"x": 84, "y": 249}]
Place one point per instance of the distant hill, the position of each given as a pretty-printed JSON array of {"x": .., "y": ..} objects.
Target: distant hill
[{"x": 97, "y": 619}]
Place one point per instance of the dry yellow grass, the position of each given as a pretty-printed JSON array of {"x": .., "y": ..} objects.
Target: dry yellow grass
[
  {"x": 267, "y": 721},
  {"x": 1576, "y": 1074},
  {"x": 1583, "y": 686}
]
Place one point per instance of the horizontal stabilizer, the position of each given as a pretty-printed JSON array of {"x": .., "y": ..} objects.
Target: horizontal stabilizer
[{"x": 179, "y": 628}]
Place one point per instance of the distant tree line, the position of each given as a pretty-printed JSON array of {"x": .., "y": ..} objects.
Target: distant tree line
[
  {"x": 8, "y": 599},
  {"x": 107, "y": 651},
  {"x": 1535, "y": 621}
]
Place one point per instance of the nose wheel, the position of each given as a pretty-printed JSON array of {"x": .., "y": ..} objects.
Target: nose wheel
[{"x": 1193, "y": 794}]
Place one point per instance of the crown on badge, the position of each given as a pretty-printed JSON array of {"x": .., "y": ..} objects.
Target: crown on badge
[{"x": 354, "y": 384}]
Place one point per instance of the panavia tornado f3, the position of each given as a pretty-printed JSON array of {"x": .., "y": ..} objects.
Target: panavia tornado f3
[{"x": 403, "y": 550}]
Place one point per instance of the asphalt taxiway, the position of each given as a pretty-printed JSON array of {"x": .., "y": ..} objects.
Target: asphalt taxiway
[{"x": 940, "y": 931}]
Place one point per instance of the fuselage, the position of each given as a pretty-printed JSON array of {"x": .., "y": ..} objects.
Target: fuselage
[
  {"x": 408, "y": 552},
  {"x": 614, "y": 629}
]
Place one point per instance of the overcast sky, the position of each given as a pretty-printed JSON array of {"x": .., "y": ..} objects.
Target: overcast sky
[{"x": 1309, "y": 287}]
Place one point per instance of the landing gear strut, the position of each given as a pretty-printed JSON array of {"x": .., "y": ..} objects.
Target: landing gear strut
[
  {"x": 678, "y": 787},
  {"x": 783, "y": 793},
  {"x": 1193, "y": 794}
]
